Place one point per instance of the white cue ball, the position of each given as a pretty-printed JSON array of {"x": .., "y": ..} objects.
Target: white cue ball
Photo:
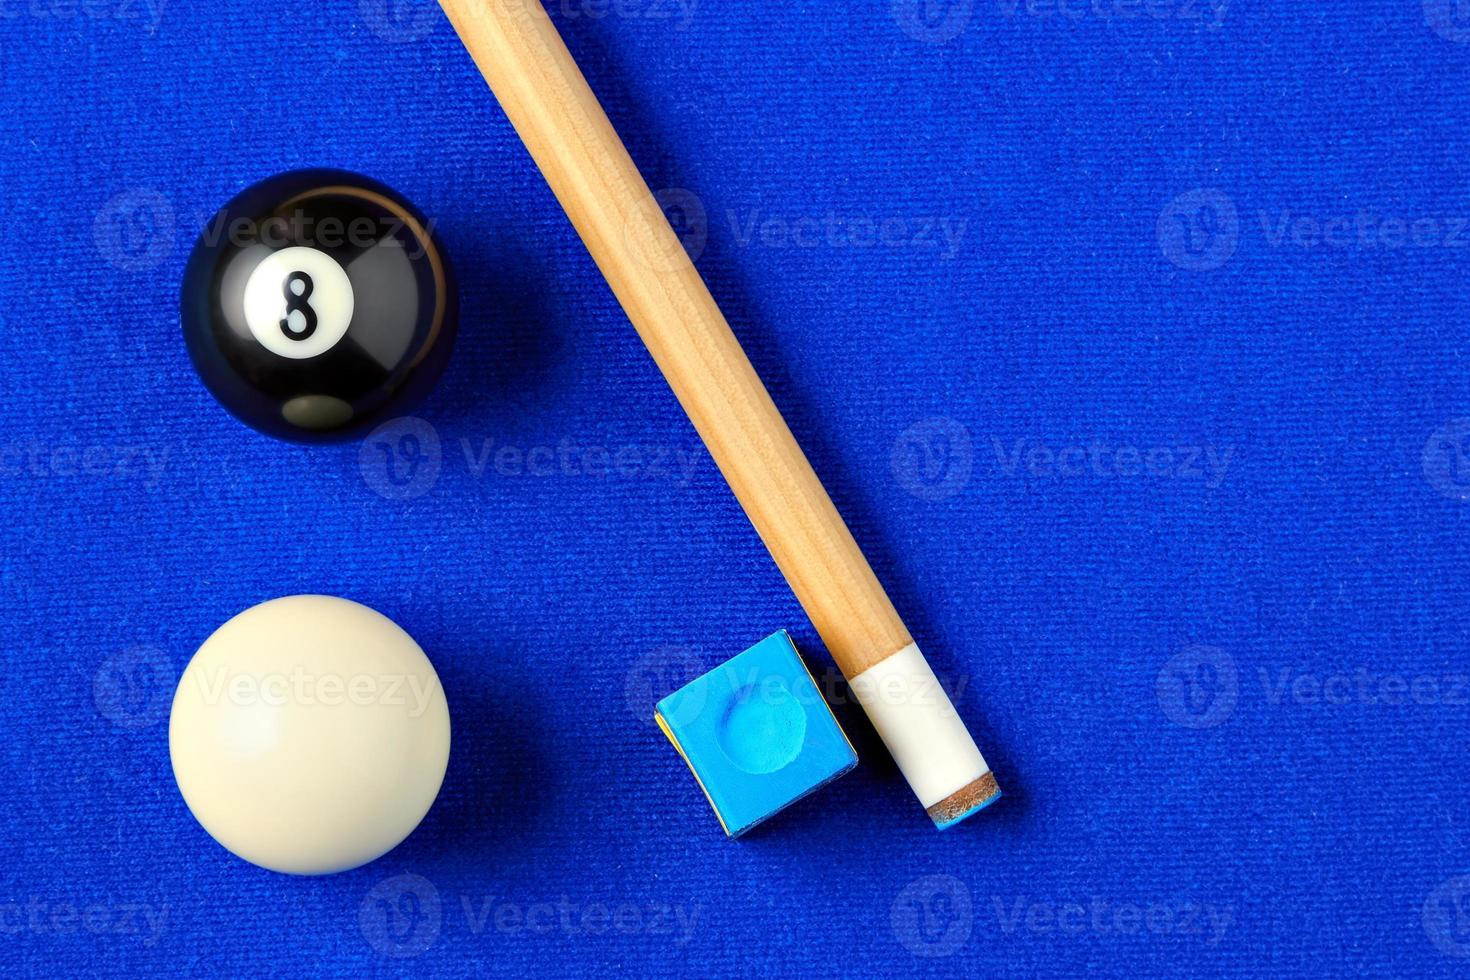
[{"x": 309, "y": 735}]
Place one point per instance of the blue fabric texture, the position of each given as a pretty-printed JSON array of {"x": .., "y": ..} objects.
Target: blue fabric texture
[{"x": 1129, "y": 336}]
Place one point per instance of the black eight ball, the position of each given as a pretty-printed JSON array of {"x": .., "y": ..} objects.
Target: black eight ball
[{"x": 318, "y": 303}]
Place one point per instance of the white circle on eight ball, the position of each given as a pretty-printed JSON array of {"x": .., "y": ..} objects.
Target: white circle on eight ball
[{"x": 298, "y": 302}]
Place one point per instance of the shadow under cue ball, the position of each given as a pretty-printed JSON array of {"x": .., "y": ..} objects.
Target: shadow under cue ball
[
  {"x": 309, "y": 735},
  {"x": 317, "y": 304}
]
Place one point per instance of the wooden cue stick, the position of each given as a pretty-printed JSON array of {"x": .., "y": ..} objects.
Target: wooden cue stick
[{"x": 537, "y": 83}]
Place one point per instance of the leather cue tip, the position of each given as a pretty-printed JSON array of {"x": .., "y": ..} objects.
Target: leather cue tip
[{"x": 965, "y": 802}]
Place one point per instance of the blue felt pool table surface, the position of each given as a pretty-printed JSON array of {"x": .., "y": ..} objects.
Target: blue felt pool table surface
[{"x": 1130, "y": 337}]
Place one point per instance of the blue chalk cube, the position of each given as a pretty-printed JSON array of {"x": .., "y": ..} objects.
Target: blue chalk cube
[{"x": 757, "y": 733}]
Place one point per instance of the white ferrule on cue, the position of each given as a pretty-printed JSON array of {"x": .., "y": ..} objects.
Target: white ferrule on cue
[
  {"x": 924, "y": 734},
  {"x": 518, "y": 50}
]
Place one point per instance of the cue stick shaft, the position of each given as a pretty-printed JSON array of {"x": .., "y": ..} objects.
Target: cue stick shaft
[{"x": 557, "y": 116}]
